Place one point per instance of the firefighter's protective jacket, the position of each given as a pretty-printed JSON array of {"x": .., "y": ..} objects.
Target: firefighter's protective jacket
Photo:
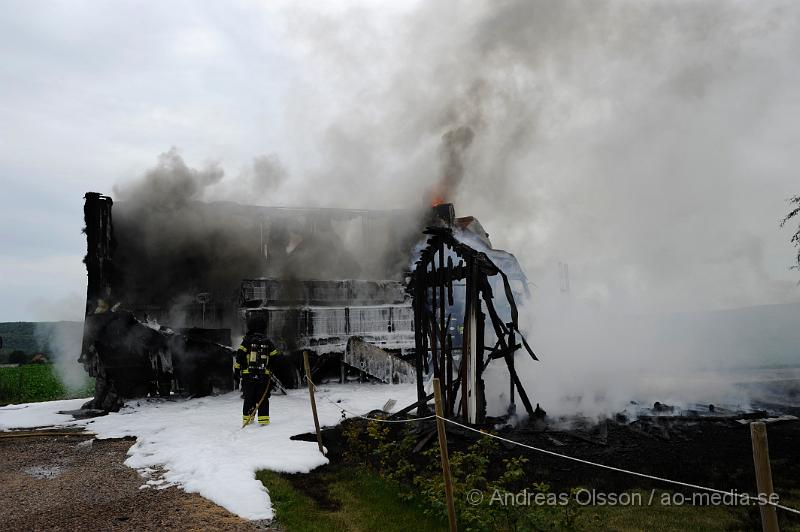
[{"x": 253, "y": 356}]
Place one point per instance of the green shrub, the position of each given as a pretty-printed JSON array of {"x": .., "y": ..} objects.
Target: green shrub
[
  {"x": 17, "y": 357},
  {"x": 388, "y": 451}
]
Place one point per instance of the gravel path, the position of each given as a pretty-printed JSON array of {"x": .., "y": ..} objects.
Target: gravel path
[{"x": 77, "y": 482}]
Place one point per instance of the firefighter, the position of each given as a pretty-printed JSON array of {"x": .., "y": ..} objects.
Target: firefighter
[{"x": 252, "y": 367}]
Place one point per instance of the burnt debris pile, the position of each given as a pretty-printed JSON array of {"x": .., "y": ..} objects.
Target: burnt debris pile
[{"x": 129, "y": 358}]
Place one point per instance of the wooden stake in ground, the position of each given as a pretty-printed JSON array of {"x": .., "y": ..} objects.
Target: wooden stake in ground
[
  {"x": 313, "y": 401},
  {"x": 769, "y": 516},
  {"x": 448, "y": 484}
]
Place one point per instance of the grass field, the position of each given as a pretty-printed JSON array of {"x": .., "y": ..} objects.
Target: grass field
[
  {"x": 36, "y": 382},
  {"x": 353, "y": 498}
]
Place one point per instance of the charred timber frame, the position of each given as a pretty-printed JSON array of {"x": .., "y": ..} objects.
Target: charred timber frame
[
  {"x": 100, "y": 248},
  {"x": 127, "y": 357},
  {"x": 431, "y": 288}
]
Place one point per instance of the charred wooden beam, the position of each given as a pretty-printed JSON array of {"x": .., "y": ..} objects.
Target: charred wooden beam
[
  {"x": 480, "y": 395},
  {"x": 449, "y": 369},
  {"x": 449, "y": 281},
  {"x": 100, "y": 244},
  {"x": 418, "y": 302},
  {"x": 442, "y": 330},
  {"x": 434, "y": 336},
  {"x": 503, "y": 352},
  {"x": 421, "y": 405},
  {"x": 522, "y": 395},
  {"x": 510, "y": 362}
]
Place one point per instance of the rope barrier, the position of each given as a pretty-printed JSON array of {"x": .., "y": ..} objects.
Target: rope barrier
[
  {"x": 566, "y": 457},
  {"x": 617, "y": 469}
]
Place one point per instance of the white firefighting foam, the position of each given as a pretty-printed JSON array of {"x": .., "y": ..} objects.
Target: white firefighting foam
[{"x": 199, "y": 445}]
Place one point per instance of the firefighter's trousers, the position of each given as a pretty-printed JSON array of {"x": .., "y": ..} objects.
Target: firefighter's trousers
[{"x": 253, "y": 387}]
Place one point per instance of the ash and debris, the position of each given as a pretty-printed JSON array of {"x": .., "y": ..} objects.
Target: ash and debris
[
  {"x": 715, "y": 452},
  {"x": 44, "y": 472}
]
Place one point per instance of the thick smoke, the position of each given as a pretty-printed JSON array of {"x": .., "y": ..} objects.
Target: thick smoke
[
  {"x": 170, "y": 184},
  {"x": 455, "y": 144},
  {"x": 647, "y": 144},
  {"x": 650, "y": 145},
  {"x": 185, "y": 234}
]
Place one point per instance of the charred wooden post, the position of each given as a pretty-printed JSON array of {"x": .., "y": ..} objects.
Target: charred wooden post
[
  {"x": 449, "y": 381},
  {"x": 441, "y": 281},
  {"x": 100, "y": 245},
  {"x": 420, "y": 350},
  {"x": 434, "y": 335},
  {"x": 512, "y": 407},
  {"x": 469, "y": 343},
  {"x": 480, "y": 395}
]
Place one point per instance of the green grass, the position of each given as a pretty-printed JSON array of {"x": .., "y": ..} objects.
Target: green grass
[
  {"x": 36, "y": 382},
  {"x": 686, "y": 517},
  {"x": 365, "y": 502},
  {"x": 789, "y": 522},
  {"x": 662, "y": 518}
]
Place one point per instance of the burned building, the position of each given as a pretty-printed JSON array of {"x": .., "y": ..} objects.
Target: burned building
[{"x": 172, "y": 283}]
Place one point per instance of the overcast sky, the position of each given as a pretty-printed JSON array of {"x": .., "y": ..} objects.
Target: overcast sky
[{"x": 651, "y": 145}]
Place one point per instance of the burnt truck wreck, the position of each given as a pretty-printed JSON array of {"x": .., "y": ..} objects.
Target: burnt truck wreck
[{"x": 392, "y": 296}]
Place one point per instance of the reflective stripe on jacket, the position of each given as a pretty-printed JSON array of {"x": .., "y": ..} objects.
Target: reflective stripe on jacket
[{"x": 253, "y": 356}]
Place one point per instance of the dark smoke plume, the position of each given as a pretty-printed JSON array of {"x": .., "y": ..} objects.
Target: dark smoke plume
[
  {"x": 455, "y": 144},
  {"x": 170, "y": 184},
  {"x": 175, "y": 242}
]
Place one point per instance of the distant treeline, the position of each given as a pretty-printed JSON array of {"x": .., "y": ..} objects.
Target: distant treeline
[{"x": 29, "y": 337}]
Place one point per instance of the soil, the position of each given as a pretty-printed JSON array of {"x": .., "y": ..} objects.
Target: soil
[
  {"x": 714, "y": 454},
  {"x": 76, "y": 482},
  {"x": 315, "y": 486}
]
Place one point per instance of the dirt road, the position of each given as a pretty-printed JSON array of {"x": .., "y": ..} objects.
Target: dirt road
[{"x": 77, "y": 482}]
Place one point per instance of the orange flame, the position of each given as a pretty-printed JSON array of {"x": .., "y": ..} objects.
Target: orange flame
[{"x": 438, "y": 196}]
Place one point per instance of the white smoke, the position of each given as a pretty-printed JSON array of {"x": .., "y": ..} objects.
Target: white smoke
[
  {"x": 61, "y": 334},
  {"x": 649, "y": 144},
  {"x": 646, "y": 143}
]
